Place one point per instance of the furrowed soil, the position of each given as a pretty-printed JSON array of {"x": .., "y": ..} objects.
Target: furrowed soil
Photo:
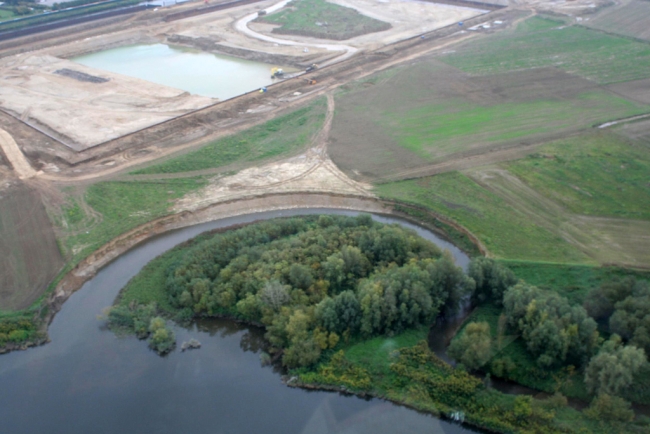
[
  {"x": 29, "y": 255},
  {"x": 428, "y": 118},
  {"x": 539, "y": 42},
  {"x": 630, "y": 18}
]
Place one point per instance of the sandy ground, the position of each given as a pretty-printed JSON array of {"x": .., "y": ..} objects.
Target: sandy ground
[
  {"x": 408, "y": 18},
  {"x": 311, "y": 172},
  {"x": 21, "y": 166},
  {"x": 83, "y": 114}
]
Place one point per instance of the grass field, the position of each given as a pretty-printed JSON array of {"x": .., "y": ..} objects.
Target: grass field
[
  {"x": 629, "y": 18},
  {"x": 430, "y": 113},
  {"x": 29, "y": 254},
  {"x": 505, "y": 231},
  {"x": 321, "y": 19},
  {"x": 118, "y": 207},
  {"x": 433, "y": 131},
  {"x": 595, "y": 174},
  {"x": 280, "y": 136},
  {"x": 539, "y": 42}
]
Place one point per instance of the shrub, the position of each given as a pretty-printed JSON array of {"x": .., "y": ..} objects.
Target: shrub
[
  {"x": 610, "y": 408},
  {"x": 474, "y": 347}
]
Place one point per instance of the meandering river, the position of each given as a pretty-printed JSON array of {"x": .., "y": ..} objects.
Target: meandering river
[{"x": 87, "y": 380}]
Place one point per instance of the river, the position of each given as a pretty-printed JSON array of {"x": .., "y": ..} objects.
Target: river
[{"x": 87, "y": 380}]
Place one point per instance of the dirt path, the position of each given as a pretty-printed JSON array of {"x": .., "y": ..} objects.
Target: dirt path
[
  {"x": 15, "y": 156},
  {"x": 242, "y": 26},
  {"x": 311, "y": 171}
]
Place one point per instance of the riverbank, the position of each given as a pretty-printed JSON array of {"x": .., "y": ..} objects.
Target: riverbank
[
  {"x": 401, "y": 369},
  {"x": 75, "y": 276}
]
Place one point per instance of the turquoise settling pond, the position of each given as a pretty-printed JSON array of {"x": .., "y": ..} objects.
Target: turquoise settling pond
[{"x": 197, "y": 72}]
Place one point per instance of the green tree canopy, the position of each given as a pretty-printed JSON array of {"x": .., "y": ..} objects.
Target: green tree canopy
[
  {"x": 554, "y": 331},
  {"x": 612, "y": 370},
  {"x": 491, "y": 279},
  {"x": 474, "y": 347}
]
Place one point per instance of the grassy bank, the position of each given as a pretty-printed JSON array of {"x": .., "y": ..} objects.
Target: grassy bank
[
  {"x": 116, "y": 207},
  {"x": 281, "y": 136},
  {"x": 506, "y": 232},
  {"x": 402, "y": 370},
  {"x": 322, "y": 19}
]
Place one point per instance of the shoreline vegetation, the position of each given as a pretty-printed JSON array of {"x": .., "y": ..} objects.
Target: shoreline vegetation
[{"x": 346, "y": 303}]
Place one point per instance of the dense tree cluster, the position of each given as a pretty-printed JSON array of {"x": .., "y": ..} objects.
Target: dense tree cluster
[
  {"x": 313, "y": 280},
  {"x": 474, "y": 347},
  {"x": 555, "y": 331},
  {"x": 612, "y": 370},
  {"x": 625, "y": 305},
  {"x": 491, "y": 278}
]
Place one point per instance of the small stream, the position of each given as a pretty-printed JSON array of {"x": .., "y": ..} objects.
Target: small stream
[{"x": 88, "y": 380}]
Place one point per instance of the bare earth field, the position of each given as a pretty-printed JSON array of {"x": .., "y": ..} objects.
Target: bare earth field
[
  {"x": 636, "y": 130},
  {"x": 29, "y": 255},
  {"x": 638, "y": 90},
  {"x": 628, "y": 18},
  {"x": 82, "y": 113}
]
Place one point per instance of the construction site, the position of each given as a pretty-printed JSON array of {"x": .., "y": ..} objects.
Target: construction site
[{"x": 202, "y": 105}]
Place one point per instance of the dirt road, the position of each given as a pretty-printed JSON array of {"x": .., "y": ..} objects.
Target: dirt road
[
  {"x": 15, "y": 156},
  {"x": 242, "y": 26}
]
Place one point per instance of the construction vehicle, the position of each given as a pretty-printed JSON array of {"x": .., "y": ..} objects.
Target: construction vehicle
[
  {"x": 277, "y": 73},
  {"x": 309, "y": 80},
  {"x": 311, "y": 67}
]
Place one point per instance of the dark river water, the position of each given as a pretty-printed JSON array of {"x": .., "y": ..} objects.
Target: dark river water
[{"x": 88, "y": 381}]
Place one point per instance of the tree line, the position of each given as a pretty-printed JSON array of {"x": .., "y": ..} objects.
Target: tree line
[{"x": 560, "y": 334}]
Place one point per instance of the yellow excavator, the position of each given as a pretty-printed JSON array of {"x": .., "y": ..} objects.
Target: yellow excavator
[{"x": 277, "y": 73}]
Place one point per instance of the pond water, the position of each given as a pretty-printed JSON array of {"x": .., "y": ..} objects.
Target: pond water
[
  {"x": 87, "y": 380},
  {"x": 195, "y": 71}
]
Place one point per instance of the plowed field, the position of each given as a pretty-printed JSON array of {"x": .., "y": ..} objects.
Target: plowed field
[{"x": 29, "y": 255}]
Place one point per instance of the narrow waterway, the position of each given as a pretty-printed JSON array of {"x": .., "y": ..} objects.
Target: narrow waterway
[
  {"x": 195, "y": 71},
  {"x": 87, "y": 380}
]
